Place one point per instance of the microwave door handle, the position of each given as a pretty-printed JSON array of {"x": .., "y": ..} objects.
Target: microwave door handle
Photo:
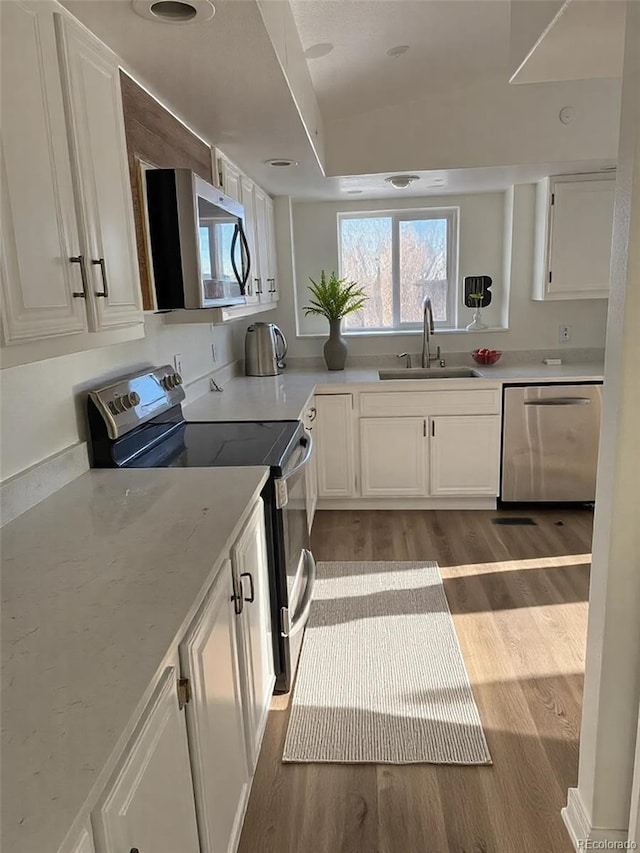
[
  {"x": 247, "y": 253},
  {"x": 234, "y": 243}
]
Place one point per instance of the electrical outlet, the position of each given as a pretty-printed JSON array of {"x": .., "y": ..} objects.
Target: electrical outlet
[
  {"x": 214, "y": 353},
  {"x": 564, "y": 334},
  {"x": 177, "y": 363}
]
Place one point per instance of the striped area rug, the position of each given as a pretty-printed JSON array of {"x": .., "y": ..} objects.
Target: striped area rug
[{"x": 381, "y": 677}]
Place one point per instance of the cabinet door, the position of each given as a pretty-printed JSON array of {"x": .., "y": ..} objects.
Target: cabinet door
[
  {"x": 103, "y": 189},
  {"x": 465, "y": 455},
  {"x": 149, "y": 804},
  {"x": 209, "y": 658},
  {"x": 42, "y": 289},
  {"x": 272, "y": 266},
  {"x": 393, "y": 457},
  {"x": 247, "y": 197},
  {"x": 334, "y": 443},
  {"x": 262, "y": 246},
  {"x": 580, "y": 238},
  {"x": 258, "y": 675},
  {"x": 229, "y": 176}
]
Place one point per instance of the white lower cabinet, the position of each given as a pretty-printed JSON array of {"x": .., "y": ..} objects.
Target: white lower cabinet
[
  {"x": 393, "y": 457},
  {"x": 465, "y": 455},
  {"x": 149, "y": 805},
  {"x": 209, "y": 659},
  {"x": 256, "y": 649},
  {"x": 184, "y": 781},
  {"x": 334, "y": 446}
]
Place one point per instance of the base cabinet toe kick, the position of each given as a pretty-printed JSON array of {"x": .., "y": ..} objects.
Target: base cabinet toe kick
[{"x": 408, "y": 449}]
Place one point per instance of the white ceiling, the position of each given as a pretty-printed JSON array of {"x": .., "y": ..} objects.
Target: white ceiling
[
  {"x": 586, "y": 40},
  {"x": 223, "y": 79},
  {"x": 452, "y": 44}
]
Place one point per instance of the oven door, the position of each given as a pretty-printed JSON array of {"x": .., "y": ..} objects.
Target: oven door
[{"x": 299, "y": 563}]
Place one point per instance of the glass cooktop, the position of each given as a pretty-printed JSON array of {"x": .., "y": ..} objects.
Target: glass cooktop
[{"x": 219, "y": 444}]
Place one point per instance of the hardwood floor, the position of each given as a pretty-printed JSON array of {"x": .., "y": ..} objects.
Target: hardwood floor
[{"x": 518, "y": 596}]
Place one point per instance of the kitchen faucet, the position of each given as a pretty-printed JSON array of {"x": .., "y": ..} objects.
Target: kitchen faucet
[{"x": 428, "y": 330}]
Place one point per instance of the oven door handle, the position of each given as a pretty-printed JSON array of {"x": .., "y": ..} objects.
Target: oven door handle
[
  {"x": 280, "y": 483},
  {"x": 301, "y": 616}
]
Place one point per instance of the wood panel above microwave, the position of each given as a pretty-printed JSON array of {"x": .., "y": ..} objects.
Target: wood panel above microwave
[{"x": 155, "y": 138}]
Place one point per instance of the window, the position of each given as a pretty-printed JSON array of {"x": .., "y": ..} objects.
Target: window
[{"x": 399, "y": 258}]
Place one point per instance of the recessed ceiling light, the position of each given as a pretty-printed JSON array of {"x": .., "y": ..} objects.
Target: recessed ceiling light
[
  {"x": 315, "y": 51},
  {"x": 401, "y": 182},
  {"x": 175, "y": 11},
  {"x": 281, "y": 162},
  {"x": 398, "y": 50}
]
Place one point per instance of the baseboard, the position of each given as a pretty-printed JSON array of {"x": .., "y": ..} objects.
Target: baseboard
[
  {"x": 28, "y": 488},
  {"x": 407, "y": 503},
  {"x": 579, "y": 826}
]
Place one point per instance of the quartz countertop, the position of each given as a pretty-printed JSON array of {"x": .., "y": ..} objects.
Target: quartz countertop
[
  {"x": 286, "y": 396},
  {"x": 99, "y": 583}
]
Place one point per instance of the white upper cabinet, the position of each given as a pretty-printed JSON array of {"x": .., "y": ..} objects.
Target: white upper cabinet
[
  {"x": 42, "y": 289},
  {"x": 69, "y": 262},
  {"x": 149, "y": 804},
  {"x": 103, "y": 190},
  {"x": 209, "y": 659},
  {"x": 574, "y": 219},
  {"x": 229, "y": 177}
]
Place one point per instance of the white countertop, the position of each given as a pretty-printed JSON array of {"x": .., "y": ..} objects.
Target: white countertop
[
  {"x": 99, "y": 582},
  {"x": 285, "y": 397}
]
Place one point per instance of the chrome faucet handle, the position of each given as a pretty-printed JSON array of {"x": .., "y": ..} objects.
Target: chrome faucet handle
[{"x": 406, "y": 355}]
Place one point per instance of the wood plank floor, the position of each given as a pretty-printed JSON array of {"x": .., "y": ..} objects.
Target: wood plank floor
[{"x": 518, "y": 596}]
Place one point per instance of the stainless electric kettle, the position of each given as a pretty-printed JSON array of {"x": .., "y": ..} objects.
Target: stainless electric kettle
[{"x": 264, "y": 348}]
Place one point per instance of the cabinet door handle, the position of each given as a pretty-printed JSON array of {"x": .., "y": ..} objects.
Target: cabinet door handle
[
  {"x": 79, "y": 259},
  {"x": 272, "y": 285},
  {"x": 424, "y": 428},
  {"x": 433, "y": 428},
  {"x": 103, "y": 270},
  {"x": 258, "y": 282},
  {"x": 252, "y": 596},
  {"x": 237, "y": 597}
]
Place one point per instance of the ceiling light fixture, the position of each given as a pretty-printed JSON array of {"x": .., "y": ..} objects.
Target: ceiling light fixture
[
  {"x": 316, "y": 51},
  {"x": 401, "y": 182},
  {"x": 398, "y": 50},
  {"x": 281, "y": 162},
  {"x": 175, "y": 11}
]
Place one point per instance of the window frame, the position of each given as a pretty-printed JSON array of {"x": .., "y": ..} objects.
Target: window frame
[{"x": 452, "y": 216}]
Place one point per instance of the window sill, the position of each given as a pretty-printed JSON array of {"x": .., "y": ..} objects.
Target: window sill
[{"x": 386, "y": 333}]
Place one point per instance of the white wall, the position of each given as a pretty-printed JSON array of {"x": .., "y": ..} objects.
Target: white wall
[
  {"x": 42, "y": 403},
  {"x": 484, "y": 234},
  {"x": 490, "y": 124}
]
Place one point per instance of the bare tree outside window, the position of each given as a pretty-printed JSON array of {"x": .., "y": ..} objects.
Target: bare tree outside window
[{"x": 398, "y": 258}]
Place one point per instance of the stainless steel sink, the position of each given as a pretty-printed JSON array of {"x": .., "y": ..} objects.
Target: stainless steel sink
[{"x": 430, "y": 373}]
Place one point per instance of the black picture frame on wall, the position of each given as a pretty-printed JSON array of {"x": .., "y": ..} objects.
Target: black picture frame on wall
[{"x": 474, "y": 284}]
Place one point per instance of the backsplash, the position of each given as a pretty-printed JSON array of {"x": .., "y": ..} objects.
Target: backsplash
[{"x": 47, "y": 412}]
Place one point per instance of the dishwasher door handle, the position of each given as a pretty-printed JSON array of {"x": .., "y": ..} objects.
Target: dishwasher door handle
[{"x": 560, "y": 401}]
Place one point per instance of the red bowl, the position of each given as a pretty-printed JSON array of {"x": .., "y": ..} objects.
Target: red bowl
[{"x": 486, "y": 358}]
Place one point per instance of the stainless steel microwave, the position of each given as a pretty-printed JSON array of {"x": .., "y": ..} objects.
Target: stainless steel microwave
[{"x": 199, "y": 249}]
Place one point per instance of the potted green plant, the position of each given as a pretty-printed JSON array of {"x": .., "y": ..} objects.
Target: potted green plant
[{"x": 334, "y": 298}]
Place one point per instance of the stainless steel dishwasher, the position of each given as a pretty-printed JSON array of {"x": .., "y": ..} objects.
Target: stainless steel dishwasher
[{"x": 550, "y": 442}]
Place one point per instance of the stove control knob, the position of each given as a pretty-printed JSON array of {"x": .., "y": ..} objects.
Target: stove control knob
[
  {"x": 177, "y": 380},
  {"x": 166, "y": 382},
  {"x": 128, "y": 401}
]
